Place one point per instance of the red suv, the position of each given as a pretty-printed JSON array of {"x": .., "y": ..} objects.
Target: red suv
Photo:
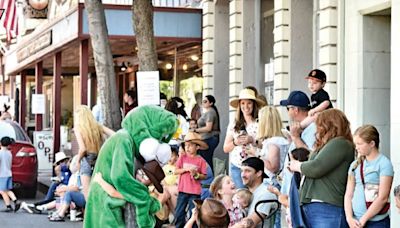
[{"x": 24, "y": 161}]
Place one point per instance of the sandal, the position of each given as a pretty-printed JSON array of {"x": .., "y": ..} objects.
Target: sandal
[{"x": 56, "y": 218}]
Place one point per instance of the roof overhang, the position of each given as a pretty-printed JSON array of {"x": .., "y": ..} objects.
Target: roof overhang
[{"x": 172, "y": 26}]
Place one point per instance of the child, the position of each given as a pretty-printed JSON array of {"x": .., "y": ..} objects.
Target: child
[
  {"x": 320, "y": 100},
  {"x": 396, "y": 193},
  {"x": 171, "y": 179},
  {"x": 192, "y": 124},
  {"x": 192, "y": 169},
  {"x": 243, "y": 198},
  {"x": 6, "y": 175}
]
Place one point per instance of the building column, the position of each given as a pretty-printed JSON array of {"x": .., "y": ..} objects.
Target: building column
[
  {"x": 235, "y": 50},
  {"x": 281, "y": 53},
  {"x": 39, "y": 90},
  {"x": 56, "y": 102},
  {"x": 22, "y": 106},
  {"x": 328, "y": 36},
  {"x": 394, "y": 107},
  {"x": 84, "y": 69},
  {"x": 208, "y": 46},
  {"x": 3, "y": 77}
]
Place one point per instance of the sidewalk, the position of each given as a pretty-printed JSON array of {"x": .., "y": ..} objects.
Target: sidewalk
[{"x": 44, "y": 181}]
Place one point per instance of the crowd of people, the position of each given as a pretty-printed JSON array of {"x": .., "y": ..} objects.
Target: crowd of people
[{"x": 321, "y": 173}]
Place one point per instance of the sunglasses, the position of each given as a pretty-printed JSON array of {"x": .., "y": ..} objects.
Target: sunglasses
[
  {"x": 288, "y": 107},
  {"x": 205, "y": 101}
]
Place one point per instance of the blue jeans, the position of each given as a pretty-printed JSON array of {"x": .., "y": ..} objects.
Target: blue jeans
[
  {"x": 209, "y": 153},
  {"x": 384, "y": 223},
  {"x": 184, "y": 199},
  {"x": 236, "y": 175},
  {"x": 324, "y": 215},
  {"x": 52, "y": 189},
  {"x": 77, "y": 197},
  {"x": 277, "y": 223}
]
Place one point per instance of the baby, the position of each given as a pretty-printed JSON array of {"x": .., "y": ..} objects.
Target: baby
[{"x": 242, "y": 198}]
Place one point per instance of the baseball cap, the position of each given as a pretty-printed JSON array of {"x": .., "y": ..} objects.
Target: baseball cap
[
  {"x": 255, "y": 163},
  {"x": 298, "y": 99},
  {"x": 317, "y": 74}
]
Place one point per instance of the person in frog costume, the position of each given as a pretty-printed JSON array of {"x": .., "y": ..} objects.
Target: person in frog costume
[{"x": 146, "y": 125}]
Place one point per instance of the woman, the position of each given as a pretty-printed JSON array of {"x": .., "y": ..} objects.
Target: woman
[
  {"x": 242, "y": 132},
  {"x": 174, "y": 105},
  {"x": 377, "y": 172},
  {"x": 274, "y": 144},
  {"x": 89, "y": 135},
  {"x": 325, "y": 173},
  {"x": 209, "y": 129},
  {"x": 223, "y": 189}
]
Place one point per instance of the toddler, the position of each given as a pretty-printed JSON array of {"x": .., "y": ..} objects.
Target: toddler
[
  {"x": 243, "y": 198},
  {"x": 6, "y": 175},
  {"x": 320, "y": 100}
]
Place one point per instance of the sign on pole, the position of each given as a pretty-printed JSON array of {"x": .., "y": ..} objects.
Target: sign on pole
[
  {"x": 148, "y": 88},
  {"x": 38, "y": 104}
]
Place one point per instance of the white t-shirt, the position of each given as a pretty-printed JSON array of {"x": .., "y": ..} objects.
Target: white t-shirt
[
  {"x": 283, "y": 145},
  {"x": 5, "y": 163}
]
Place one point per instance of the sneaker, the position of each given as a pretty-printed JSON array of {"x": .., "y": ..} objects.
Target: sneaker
[
  {"x": 56, "y": 218},
  {"x": 17, "y": 205},
  {"x": 26, "y": 207},
  {"x": 78, "y": 219}
]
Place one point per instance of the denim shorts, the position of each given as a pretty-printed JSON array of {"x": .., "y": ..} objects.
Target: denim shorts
[
  {"x": 87, "y": 164},
  {"x": 5, "y": 183}
]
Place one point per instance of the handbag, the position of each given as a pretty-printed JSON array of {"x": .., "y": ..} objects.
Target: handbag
[{"x": 371, "y": 192}]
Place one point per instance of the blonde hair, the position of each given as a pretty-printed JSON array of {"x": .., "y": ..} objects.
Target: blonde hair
[
  {"x": 90, "y": 130},
  {"x": 245, "y": 194},
  {"x": 270, "y": 123},
  {"x": 331, "y": 123},
  {"x": 367, "y": 133},
  {"x": 216, "y": 185}
]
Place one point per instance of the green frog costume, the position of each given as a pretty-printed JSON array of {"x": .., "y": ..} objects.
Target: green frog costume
[{"x": 116, "y": 162}]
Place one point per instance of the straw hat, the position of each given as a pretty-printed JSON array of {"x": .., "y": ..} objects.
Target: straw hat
[
  {"x": 154, "y": 172},
  {"x": 59, "y": 157},
  {"x": 196, "y": 139},
  {"x": 212, "y": 213},
  {"x": 247, "y": 94}
]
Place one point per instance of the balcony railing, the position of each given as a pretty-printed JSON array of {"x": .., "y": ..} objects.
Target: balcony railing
[{"x": 159, "y": 3}]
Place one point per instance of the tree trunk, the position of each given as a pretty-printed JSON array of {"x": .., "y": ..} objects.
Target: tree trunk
[
  {"x": 142, "y": 16},
  {"x": 106, "y": 83}
]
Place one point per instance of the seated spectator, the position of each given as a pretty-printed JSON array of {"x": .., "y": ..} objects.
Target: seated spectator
[{"x": 208, "y": 213}]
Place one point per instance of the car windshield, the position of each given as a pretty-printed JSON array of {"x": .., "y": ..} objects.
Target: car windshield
[{"x": 12, "y": 130}]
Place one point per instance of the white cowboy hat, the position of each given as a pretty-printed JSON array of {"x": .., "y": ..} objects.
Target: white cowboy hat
[
  {"x": 246, "y": 94},
  {"x": 59, "y": 157}
]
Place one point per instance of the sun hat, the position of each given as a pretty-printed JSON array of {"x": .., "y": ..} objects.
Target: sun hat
[
  {"x": 317, "y": 74},
  {"x": 247, "y": 94},
  {"x": 154, "y": 172},
  {"x": 212, "y": 213},
  {"x": 255, "y": 163},
  {"x": 59, "y": 157},
  {"x": 196, "y": 139}
]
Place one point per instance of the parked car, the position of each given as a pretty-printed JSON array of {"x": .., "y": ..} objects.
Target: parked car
[{"x": 24, "y": 161}]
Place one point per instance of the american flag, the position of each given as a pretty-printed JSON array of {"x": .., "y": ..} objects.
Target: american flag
[{"x": 9, "y": 19}]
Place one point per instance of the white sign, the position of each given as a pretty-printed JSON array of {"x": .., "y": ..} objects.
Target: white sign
[
  {"x": 148, "y": 88},
  {"x": 43, "y": 142},
  {"x": 38, "y": 104}
]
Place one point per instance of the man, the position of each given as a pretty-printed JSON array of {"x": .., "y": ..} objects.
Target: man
[
  {"x": 297, "y": 105},
  {"x": 130, "y": 100},
  {"x": 255, "y": 179}
]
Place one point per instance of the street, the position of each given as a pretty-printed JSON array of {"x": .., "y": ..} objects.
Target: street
[{"x": 24, "y": 219}]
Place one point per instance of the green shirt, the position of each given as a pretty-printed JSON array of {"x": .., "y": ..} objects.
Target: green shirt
[{"x": 326, "y": 173}]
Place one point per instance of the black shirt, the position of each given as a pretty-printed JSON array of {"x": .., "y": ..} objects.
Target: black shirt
[{"x": 319, "y": 97}]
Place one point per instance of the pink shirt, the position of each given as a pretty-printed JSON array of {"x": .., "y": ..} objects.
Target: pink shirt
[{"x": 187, "y": 183}]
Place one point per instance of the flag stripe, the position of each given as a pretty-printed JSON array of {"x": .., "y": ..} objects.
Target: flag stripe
[{"x": 10, "y": 22}]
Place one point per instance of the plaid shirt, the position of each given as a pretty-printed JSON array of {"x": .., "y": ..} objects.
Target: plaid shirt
[{"x": 236, "y": 213}]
